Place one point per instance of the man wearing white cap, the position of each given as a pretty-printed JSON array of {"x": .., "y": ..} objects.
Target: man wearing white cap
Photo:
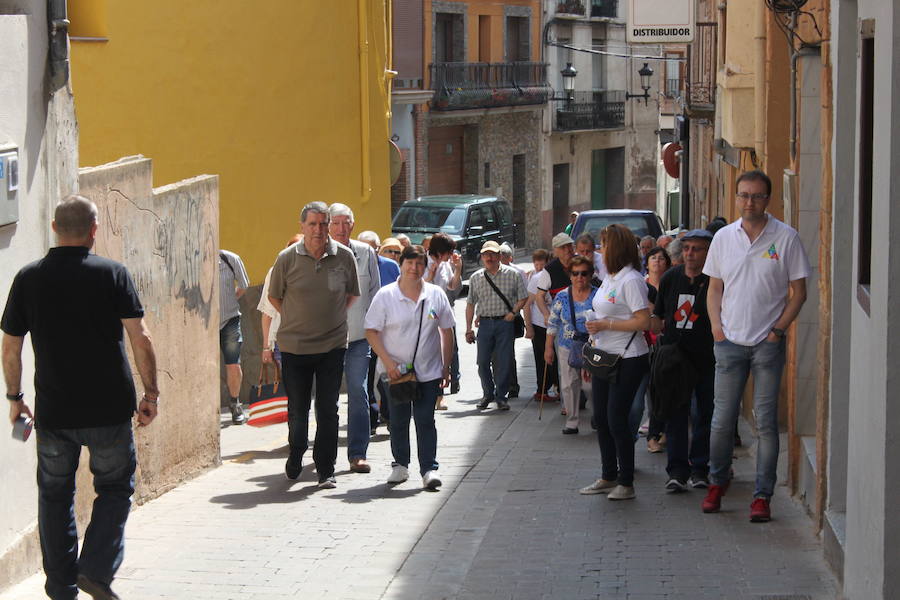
[{"x": 496, "y": 294}]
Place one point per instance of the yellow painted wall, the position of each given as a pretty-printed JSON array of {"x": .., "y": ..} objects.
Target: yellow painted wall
[{"x": 267, "y": 95}]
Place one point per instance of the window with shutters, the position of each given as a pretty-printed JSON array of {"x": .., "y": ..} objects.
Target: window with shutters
[{"x": 518, "y": 41}]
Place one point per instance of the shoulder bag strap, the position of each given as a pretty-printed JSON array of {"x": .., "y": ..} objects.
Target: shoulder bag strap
[
  {"x": 419, "y": 334},
  {"x": 496, "y": 289},
  {"x": 227, "y": 264}
]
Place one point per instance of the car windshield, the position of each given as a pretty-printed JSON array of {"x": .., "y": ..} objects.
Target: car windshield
[
  {"x": 636, "y": 223},
  {"x": 430, "y": 218}
]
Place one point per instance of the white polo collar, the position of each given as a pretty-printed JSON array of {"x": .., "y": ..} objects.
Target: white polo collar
[{"x": 622, "y": 272}]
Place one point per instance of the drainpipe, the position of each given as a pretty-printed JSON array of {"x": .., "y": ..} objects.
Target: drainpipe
[
  {"x": 795, "y": 56},
  {"x": 58, "y": 25},
  {"x": 759, "y": 91},
  {"x": 364, "y": 134}
]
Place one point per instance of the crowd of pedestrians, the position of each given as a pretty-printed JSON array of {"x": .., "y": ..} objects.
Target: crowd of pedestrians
[{"x": 658, "y": 336}]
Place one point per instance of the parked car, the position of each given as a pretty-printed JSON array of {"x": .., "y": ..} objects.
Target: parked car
[
  {"x": 640, "y": 222},
  {"x": 469, "y": 219}
]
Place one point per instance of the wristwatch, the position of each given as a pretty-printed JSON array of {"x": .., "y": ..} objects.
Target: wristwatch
[
  {"x": 15, "y": 397},
  {"x": 778, "y": 332}
]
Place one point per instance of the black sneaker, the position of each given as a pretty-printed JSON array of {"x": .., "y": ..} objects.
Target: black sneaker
[
  {"x": 96, "y": 589},
  {"x": 292, "y": 467},
  {"x": 484, "y": 403},
  {"x": 328, "y": 483},
  {"x": 570, "y": 431},
  {"x": 237, "y": 414},
  {"x": 699, "y": 481},
  {"x": 675, "y": 485},
  {"x": 502, "y": 404},
  {"x": 513, "y": 392}
]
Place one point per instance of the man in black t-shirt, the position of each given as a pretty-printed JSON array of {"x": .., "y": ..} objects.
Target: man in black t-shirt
[
  {"x": 75, "y": 304},
  {"x": 680, "y": 313}
]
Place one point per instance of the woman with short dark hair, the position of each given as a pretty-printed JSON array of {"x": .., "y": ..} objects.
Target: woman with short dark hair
[{"x": 409, "y": 326}]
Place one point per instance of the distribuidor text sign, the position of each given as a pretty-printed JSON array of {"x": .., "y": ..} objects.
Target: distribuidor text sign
[{"x": 660, "y": 21}]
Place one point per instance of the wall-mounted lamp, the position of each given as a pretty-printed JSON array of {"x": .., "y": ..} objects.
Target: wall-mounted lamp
[
  {"x": 646, "y": 73},
  {"x": 568, "y": 77}
]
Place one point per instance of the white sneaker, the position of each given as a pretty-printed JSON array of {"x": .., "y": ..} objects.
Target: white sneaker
[
  {"x": 431, "y": 480},
  {"x": 621, "y": 492},
  {"x": 601, "y": 486},
  {"x": 399, "y": 474}
]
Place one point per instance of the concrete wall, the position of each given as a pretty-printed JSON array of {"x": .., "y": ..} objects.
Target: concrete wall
[
  {"x": 40, "y": 121},
  {"x": 871, "y": 562},
  {"x": 168, "y": 238}
]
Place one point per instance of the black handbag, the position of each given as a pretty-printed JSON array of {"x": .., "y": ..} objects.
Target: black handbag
[
  {"x": 406, "y": 389},
  {"x": 518, "y": 322},
  {"x": 576, "y": 358},
  {"x": 603, "y": 364}
]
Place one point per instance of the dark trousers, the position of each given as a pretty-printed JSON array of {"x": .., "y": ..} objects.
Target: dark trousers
[
  {"x": 537, "y": 346},
  {"x": 298, "y": 371},
  {"x": 112, "y": 462},
  {"x": 612, "y": 403},
  {"x": 691, "y": 458}
]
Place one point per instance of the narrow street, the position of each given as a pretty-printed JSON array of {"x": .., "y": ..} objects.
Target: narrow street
[{"x": 508, "y": 523}]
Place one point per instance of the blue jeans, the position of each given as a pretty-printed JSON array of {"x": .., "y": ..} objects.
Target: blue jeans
[
  {"x": 356, "y": 369},
  {"x": 112, "y": 462},
  {"x": 495, "y": 337},
  {"x": 298, "y": 371},
  {"x": 691, "y": 458},
  {"x": 421, "y": 410},
  {"x": 734, "y": 364},
  {"x": 612, "y": 405}
]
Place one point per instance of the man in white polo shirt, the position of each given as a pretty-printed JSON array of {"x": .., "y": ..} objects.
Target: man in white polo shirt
[{"x": 752, "y": 264}]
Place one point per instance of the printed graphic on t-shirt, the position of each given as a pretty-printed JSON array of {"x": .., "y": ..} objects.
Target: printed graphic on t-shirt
[
  {"x": 432, "y": 314},
  {"x": 771, "y": 253},
  {"x": 685, "y": 308},
  {"x": 611, "y": 296}
]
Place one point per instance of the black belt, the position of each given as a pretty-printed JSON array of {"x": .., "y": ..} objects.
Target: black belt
[{"x": 494, "y": 318}]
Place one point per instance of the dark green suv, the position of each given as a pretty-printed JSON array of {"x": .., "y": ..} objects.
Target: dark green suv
[{"x": 469, "y": 219}]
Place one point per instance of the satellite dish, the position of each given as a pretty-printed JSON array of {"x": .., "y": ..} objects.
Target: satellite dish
[{"x": 396, "y": 160}]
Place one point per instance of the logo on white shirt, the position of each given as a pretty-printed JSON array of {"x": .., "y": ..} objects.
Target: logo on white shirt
[{"x": 771, "y": 253}]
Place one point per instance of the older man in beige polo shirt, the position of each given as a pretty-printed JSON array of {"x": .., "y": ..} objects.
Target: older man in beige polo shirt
[{"x": 313, "y": 283}]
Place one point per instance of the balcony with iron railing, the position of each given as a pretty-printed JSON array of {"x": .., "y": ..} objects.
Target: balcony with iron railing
[
  {"x": 591, "y": 110},
  {"x": 570, "y": 7},
  {"x": 460, "y": 86},
  {"x": 605, "y": 8},
  {"x": 673, "y": 87},
  {"x": 700, "y": 88}
]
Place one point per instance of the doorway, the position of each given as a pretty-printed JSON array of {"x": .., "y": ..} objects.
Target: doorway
[{"x": 445, "y": 160}]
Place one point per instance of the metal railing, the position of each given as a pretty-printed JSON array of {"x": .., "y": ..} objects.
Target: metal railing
[
  {"x": 605, "y": 8},
  {"x": 570, "y": 7},
  {"x": 460, "y": 86},
  {"x": 591, "y": 110},
  {"x": 701, "y": 83}
]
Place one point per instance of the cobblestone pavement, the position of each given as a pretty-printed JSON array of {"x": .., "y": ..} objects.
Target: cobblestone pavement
[{"x": 508, "y": 523}]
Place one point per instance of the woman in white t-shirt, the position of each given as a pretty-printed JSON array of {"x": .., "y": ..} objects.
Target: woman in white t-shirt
[
  {"x": 620, "y": 315},
  {"x": 410, "y": 327}
]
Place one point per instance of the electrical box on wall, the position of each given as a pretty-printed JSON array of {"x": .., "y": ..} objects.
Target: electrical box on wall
[{"x": 9, "y": 184}]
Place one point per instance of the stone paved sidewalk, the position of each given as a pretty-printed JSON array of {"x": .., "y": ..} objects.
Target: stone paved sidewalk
[{"x": 508, "y": 523}]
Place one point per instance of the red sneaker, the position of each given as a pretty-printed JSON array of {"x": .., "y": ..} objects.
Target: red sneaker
[
  {"x": 713, "y": 501},
  {"x": 759, "y": 511}
]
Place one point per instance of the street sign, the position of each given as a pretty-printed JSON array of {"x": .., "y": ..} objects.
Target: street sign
[{"x": 660, "y": 21}]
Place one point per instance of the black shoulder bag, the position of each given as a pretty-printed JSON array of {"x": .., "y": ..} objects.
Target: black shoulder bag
[
  {"x": 405, "y": 389},
  {"x": 519, "y": 322},
  {"x": 603, "y": 364},
  {"x": 579, "y": 340}
]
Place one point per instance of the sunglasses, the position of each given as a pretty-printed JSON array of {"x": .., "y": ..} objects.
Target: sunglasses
[
  {"x": 581, "y": 273},
  {"x": 392, "y": 252}
]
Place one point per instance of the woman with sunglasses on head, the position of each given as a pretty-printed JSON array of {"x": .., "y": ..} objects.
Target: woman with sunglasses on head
[
  {"x": 575, "y": 300},
  {"x": 620, "y": 315}
]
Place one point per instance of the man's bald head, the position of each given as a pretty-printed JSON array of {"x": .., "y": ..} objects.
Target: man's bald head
[{"x": 75, "y": 218}]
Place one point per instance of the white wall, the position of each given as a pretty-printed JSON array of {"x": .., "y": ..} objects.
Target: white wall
[
  {"x": 24, "y": 122},
  {"x": 872, "y": 564}
]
